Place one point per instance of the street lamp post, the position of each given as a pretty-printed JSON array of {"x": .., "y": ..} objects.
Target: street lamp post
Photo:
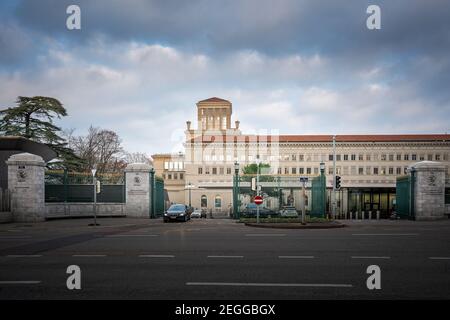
[
  {"x": 323, "y": 181},
  {"x": 333, "y": 197},
  {"x": 257, "y": 187},
  {"x": 190, "y": 187},
  {"x": 94, "y": 179},
  {"x": 235, "y": 190}
]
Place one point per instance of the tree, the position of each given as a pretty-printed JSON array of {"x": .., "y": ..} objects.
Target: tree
[
  {"x": 100, "y": 148},
  {"x": 32, "y": 118},
  {"x": 137, "y": 157},
  {"x": 252, "y": 168}
]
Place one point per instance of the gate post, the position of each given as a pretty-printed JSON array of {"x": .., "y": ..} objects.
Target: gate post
[
  {"x": 26, "y": 181},
  {"x": 138, "y": 190},
  {"x": 428, "y": 190}
]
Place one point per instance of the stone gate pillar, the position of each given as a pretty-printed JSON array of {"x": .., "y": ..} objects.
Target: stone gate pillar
[
  {"x": 137, "y": 180},
  {"x": 26, "y": 182},
  {"x": 429, "y": 190}
]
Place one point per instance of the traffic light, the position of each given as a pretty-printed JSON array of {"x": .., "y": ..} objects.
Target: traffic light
[{"x": 338, "y": 182}]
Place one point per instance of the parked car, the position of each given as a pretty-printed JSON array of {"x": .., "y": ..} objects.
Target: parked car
[
  {"x": 180, "y": 212},
  {"x": 250, "y": 211},
  {"x": 197, "y": 213},
  {"x": 288, "y": 211}
]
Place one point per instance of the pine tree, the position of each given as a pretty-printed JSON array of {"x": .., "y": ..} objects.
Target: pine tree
[{"x": 32, "y": 118}]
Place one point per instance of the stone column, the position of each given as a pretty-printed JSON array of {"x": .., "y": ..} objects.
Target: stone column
[
  {"x": 26, "y": 182},
  {"x": 429, "y": 190},
  {"x": 137, "y": 179}
]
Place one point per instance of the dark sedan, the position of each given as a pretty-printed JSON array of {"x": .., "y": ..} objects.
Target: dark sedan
[
  {"x": 251, "y": 210},
  {"x": 178, "y": 212}
]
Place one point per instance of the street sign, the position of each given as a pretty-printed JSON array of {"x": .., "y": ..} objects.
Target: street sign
[
  {"x": 304, "y": 179},
  {"x": 254, "y": 184},
  {"x": 258, "y": 200}
]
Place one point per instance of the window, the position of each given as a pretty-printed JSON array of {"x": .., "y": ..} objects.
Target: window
[
  {"x": 301, "y": 170},
  {"x": 338, "y": 157},
  {"x": 214, "y": 170},
  {"x": 294, "y": 170},
  {"x": 430, "y": 157},
  {"x": 368, "y": 170},
  {"x": 200, "y": 170},
  {"x": 169, "y": 176},
  {"x": 367, "y": 157},
  {"x": 413, "y": 157},
  {"x": 405, "y": 170},
  {"x": 438, "y": 157},
  {"x": 375, "y": 170},
  {"x": 361, "y": 157},
  {"x": 204, "y": 201},
  {"x": 398, "y": 171},
  {"x": 406, "y": 157},
  {"x": 399, "y": 157},
  {"x": 207, "y": 170},
  {"x": 221, "y": 170},
  {"x": 175, "y": 176},
  {"x": 360, "y": 171},
  {"x": 286, "y": 170},
  {"x": 164, "y": 176},
  {"x": 330, "y": 170},
  {"x": 391, "y": 170},
  {"x": 330, "y": 157},
  {"x": 383, "y": 170},
  {"x": 353, "y": 157},
  {"x": 301, "y": 157},
  {"x": 294, "y": 157},
  {"x": 181, "y": 176},
  {"x": 218, "y": 202},
  {"x": 421, "y": 157},
  {"x": 166, "y": 165},
  {"x": 279, "y": 170},
  {"x": 345, "y": 157},
  {"x": 383, "y": 157},
  {"x": 391, "y": 157},
  {"x": 308, "y": 170},
  {"x": 228, "y": 170},
  {"x": 316, "y": 170}
]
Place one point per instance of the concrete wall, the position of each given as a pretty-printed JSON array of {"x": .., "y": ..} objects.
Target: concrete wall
[{"x": 62, "y": 210}]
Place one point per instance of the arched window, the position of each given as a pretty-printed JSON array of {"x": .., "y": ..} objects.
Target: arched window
[
  {"x": 204, "y": 201},
  {"x": 218, "y": 202}
]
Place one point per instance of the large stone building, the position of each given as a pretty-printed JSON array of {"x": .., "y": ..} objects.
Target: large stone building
[{"x": 368, "y": 164}]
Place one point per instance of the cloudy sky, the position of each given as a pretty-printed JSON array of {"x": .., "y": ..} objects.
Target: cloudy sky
[{"x": 300, "y": 67}]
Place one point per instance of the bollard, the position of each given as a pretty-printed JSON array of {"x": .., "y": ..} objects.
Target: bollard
[
  {"x": 362, "y": 215},
  {"x": 378, "y": 214},
  {"x": 370, "y": 215}
]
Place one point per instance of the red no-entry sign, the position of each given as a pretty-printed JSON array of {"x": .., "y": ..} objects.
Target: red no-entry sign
[{"x": 258, "y": 200}]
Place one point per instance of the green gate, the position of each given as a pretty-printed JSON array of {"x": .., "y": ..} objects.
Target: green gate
[
  {"x": 405, "y": 196},
  {"x": 318, "y": 195},
  {"x": 157, "y": 196}
]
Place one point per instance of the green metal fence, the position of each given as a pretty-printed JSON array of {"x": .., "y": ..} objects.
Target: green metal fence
[
  {"x": 63, "y": 186},
  {"x": 404, "y": 196},
  {"x": 319, "y": 196}
]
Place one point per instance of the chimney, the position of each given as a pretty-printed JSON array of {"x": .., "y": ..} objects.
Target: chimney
[
  {"x": 236, "y": 123},
  {"x": 188, "y": 125}
]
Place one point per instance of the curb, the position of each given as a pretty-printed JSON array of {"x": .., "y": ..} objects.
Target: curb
[{"x": 294, "y": 225}]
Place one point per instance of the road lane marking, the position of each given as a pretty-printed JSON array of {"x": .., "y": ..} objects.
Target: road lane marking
[
  {"x": 20, "y": 282},
  {"x": 156, "y": 256},
  {"x": 385, "y": 234},
  {"x": 24, "y": 255},
  {"x": 265, "y": 235},
  {"x": 370, "y": 257},
  {"x": 131, "y": 235},
  {"x": 296, "y": 257},
  {"x": 254, "y": 284},
  {"x": 88, "y": 255},
  {"x": 439, "y": 258},
  {"x": 225, "y": 256}
]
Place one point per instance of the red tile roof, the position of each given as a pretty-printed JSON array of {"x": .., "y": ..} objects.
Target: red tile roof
[
  {"x": 325, "y": 138},
  {"x": 214, "y": 99}
]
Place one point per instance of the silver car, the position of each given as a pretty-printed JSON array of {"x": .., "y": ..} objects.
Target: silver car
[{"x": 289, "y": 211}]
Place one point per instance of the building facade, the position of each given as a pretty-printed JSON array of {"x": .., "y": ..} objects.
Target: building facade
[{"x": 367, "y": 164}]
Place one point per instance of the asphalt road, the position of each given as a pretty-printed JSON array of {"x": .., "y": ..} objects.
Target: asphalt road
[{"x": 220, "y": 259}]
